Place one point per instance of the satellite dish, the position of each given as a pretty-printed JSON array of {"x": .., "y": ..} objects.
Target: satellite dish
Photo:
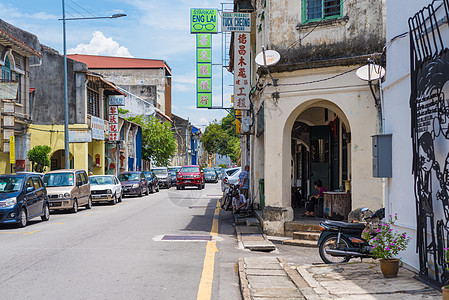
[
  {"x": 370, "y": 72},
  {"x": 271, "y": 58}
]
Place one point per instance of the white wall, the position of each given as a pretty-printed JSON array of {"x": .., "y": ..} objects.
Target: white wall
[{"x": 400, "y": 197}]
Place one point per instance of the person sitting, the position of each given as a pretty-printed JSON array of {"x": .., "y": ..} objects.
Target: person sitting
[
  {"x": 238, "y": 201},
  {"x": 313, "y": 200}
]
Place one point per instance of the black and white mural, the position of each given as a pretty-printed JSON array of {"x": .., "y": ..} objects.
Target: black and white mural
[{"x": 429, "y": 104}]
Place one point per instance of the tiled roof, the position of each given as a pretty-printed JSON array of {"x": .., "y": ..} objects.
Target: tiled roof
[{"x": 111, "y": 62}]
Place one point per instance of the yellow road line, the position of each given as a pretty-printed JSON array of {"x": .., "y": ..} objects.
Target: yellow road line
[
  {"x": 7, "y": 232},
  {"x": 207, "y": 278},
  {"x": 31, "y": 232}
]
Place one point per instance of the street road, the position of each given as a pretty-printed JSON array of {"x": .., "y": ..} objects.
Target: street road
[{"x": 127, "y": 251}]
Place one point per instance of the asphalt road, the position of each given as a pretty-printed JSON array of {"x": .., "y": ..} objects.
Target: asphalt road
[{"x": 122, "y": 251}]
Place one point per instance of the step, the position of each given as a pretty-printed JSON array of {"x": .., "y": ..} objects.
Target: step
[
  {"x": 306, "y": 235},
  {"x": 300, "y": 243},
  {"x": 295, "y": 226}
]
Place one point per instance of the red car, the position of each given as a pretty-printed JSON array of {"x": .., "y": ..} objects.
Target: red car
[{"x": 190, "y": 176}]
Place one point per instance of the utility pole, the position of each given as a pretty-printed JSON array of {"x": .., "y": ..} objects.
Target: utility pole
[{"x": 187, "y": 141}]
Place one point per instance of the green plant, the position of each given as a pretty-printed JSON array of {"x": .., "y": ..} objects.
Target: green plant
[
  {"x": 388, "y": 243},
  {"x": 39, "y": 158},
  {"x": 222, "y": 166}
]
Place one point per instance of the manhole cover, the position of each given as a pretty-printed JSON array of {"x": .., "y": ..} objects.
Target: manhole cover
[{"x": 187, "y": 238}]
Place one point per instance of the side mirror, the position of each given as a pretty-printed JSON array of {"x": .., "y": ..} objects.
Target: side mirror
[{"x": 30, "y": 189}]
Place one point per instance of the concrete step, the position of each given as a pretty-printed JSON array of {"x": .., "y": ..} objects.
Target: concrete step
[
  {"x": 303, "y": 226},
  {"x": 306, "y": 235},
  {"x": 300, "y": 243}
]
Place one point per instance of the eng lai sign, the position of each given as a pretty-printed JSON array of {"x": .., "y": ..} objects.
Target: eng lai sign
[
  {"x": 117, "y": 100},
  {"x": 235, "y": 21},
  {"x": 97, "y": 127},
  {"x": 203, "y": 20}
]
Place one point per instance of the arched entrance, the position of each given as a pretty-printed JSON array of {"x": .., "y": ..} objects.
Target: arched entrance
[
  {"x": 320, "y": 149},
  {"x": 57, "y": 160}
]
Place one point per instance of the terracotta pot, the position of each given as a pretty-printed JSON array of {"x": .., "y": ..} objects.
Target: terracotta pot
[
  {"x": 445, "y": 291},
  {"x": 389, "y": 267}
]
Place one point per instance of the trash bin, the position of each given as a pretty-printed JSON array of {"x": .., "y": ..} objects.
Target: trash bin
[{"x": 262, "y": 192}]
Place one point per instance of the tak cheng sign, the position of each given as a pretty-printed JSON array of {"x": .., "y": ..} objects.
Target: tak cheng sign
[
  {"x": 235, "y": 21},
  {"x": 242, "y": 67},
  {"x": 203, "y": 20}
]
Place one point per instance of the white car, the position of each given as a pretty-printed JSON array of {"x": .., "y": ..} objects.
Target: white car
[
  {"x": 230, "y": 176},
  {"x": 105, "y": 188}
]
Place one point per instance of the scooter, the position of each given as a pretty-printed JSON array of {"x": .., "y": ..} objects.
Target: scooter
[
  {"x": 227, "y": 198},
  {"x": 340, "y": 241}
]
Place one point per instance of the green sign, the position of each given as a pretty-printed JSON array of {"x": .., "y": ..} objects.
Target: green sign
[
  {"x": 204, "y": 70},
  {"x": 203, "y": 40},
  {"x": 204, "y": 85},
  {"x": 204, "y": 100},
  {"x": 204, "y": 55},
  {"x": 203, "y": 20}
]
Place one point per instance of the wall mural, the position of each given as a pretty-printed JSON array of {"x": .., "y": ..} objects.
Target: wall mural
[{"x": 429, "y": 102}]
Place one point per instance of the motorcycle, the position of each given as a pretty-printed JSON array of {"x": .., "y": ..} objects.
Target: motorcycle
[
  {"x": 341, "y": 241},
  {"x": 227, "y": 198}
]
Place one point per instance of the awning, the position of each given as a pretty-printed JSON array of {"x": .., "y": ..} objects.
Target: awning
[
  {"x": 18, "y": 46},
  {"x": 109, "y": 86}
]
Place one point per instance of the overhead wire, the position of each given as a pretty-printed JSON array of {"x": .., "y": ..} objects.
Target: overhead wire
[
  {"x": 82, "y": 8},
  {"x": 75, "y": 10}
]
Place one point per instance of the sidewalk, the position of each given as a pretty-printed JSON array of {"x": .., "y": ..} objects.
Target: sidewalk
[{"x": 273, "y": 278}]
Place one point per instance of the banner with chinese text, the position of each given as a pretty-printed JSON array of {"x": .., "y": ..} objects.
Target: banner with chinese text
[
  {"x": 242, "y": 65},
  {"x": 204, "y": 70},
  {"x": 113, "y": 123}
]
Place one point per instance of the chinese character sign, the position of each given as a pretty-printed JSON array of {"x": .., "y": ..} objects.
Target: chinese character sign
[
  {"x": 113, "y": 123},
  {"x": 242, "y": 68},
  {"x": 204, "y": 70}
]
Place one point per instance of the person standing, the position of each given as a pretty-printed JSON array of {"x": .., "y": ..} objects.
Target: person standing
[{"x": 244, "y": 181}]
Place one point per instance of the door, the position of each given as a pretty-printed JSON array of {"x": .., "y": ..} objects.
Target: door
[
  {"x": 144, "y": 182},
  {"x": 78, "y": 189},
  {"x": 40, "y": 194},
  {"x": 319, "y": 156},
  {"x": 85, "y": 187},
  {"x": 31, "y": 199}
]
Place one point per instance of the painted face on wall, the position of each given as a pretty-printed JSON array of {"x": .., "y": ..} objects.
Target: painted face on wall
[{"x": 424, "y": 160}]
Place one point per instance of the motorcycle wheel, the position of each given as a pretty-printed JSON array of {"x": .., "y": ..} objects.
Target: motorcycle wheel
[
  {"x": 227, "y": 202},
  {"x": 330, "y": 242}
]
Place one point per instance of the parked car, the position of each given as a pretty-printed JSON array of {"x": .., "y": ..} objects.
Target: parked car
[
  {"x": 68, "y": 189},
  {"x": 162, "y": 176},
  {"x": 153, "y": 182},
  {"x": 105, "y": 188},
  {"x": 134, "y": 183},
  {"x": 219, "y": 171},
  {"x": 173, "y": 171},
  {"x": 23, "y": 197},
  {"x": 226, "y": 173},
  {"x": 190, "y": 176},
  {"x": 210, "y": 175}
]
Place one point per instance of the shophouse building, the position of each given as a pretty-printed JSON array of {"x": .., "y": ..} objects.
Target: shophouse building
[
  {"x": 416, "y": 97},
  {"x": 316, "y": 119},
  {"x": 19, "y": 54}
]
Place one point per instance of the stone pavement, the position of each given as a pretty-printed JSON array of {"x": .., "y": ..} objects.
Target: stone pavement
[{"x": 273, "y": 278}]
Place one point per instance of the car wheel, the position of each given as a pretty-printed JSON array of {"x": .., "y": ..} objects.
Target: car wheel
[
  {"x": 114, "y": 200},
  {"x": 200, "y": 186},
  {"x": 46, "y": 215},
  {"x": 157, "y": 189},
  {"x": 23, "y": 218},
  {"x": 148, "y": 191},
  {"x": 177, "y": 187},
  {"x": 120, "y": 199},
  {"x": 75, "y": 207},
  {"x": 89, "y": 203},
  {"x": 152, "y": 189}
]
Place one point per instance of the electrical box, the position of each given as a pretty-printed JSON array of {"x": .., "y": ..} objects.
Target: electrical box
[{"x": 382, "y": 156}]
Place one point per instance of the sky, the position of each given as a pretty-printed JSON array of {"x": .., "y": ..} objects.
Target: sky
[{"x": 153, "y": 29}]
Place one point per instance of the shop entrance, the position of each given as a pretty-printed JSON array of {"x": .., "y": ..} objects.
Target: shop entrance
[{"x": 57, "y": 160}]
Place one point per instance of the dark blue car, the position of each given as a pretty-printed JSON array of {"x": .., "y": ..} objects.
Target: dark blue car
[{"x": 23, "y": 197}]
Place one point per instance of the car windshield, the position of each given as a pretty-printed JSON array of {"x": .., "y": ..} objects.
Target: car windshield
[
  {"x": 189, "y": 170},
  {"x": 100, "y": 180},
  {"x": 128, "y": 176},
  {"x": 159, "y": 171},
  {"x": 10, "y": 184},
  {"x": 58, "y": 179},
  {"x": 209, "y": 170},
  {"x": 174, "y": 170},
  {"x": 147, "y": 175},
  {"x": 230, "y": 172}
]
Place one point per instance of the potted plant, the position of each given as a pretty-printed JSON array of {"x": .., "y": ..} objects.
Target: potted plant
[{"x": 386, "y": 245}]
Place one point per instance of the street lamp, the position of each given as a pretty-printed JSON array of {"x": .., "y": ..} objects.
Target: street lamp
[{"x": 66, "y": 99}]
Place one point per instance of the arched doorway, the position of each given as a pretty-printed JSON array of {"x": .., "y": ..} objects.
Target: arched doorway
[
  {"x": 57, "y": 160},
  {"x": 320, "y": 149}
]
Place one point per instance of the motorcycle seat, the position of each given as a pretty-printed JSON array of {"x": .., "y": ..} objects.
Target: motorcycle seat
[{"x": 356, "y": 226}]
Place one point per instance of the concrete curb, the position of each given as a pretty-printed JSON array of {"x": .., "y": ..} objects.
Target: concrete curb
[
  {"x": 299, "y": 281},
  {"x": 244, "y": 284}
]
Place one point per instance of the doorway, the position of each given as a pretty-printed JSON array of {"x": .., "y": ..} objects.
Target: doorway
[{"x": 57, "y": 160}]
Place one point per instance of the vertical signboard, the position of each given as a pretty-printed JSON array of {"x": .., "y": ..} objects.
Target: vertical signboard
[
  {"x": 242, "y": 68},
  {"x": 97, "y": 127},
  {"x": 12, "y": 150},
  {"x": 204, "y": 70},
  {"x": 113, "y": 123}
]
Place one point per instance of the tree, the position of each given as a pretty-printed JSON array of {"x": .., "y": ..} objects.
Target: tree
[
  {"x": 158, "y": 141},
  {"x": 221, "y": 137},
  {"x": 39, "y": 158}
]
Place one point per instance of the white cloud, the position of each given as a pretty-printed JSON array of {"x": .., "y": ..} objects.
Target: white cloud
[{"x": 101, "y": 45}]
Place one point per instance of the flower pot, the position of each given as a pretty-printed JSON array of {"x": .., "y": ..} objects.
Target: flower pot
[
  {"x": 389, "y": 267},
  {"x": 445, "y": 291}
]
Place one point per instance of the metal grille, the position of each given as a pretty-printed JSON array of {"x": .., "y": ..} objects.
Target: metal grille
[
  {"x": 314, "y": 9},
  {"x": 99, "y": 192},
  {"x": 93, "y": 99},
  {"x": 331, "y": 8},
  {"x": 317, "y": 9},
  {"x": 53, "y": 196}
]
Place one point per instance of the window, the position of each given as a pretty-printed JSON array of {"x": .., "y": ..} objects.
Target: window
[
  {"x": 84, "y": 178},
  {"x": 6, "y": 70},
  {"x": 93, "y": 99},
  {"x": 36, "y": 183},
  {"x": 30, "y": 183},
  {"x": 315, "y": 10}
]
